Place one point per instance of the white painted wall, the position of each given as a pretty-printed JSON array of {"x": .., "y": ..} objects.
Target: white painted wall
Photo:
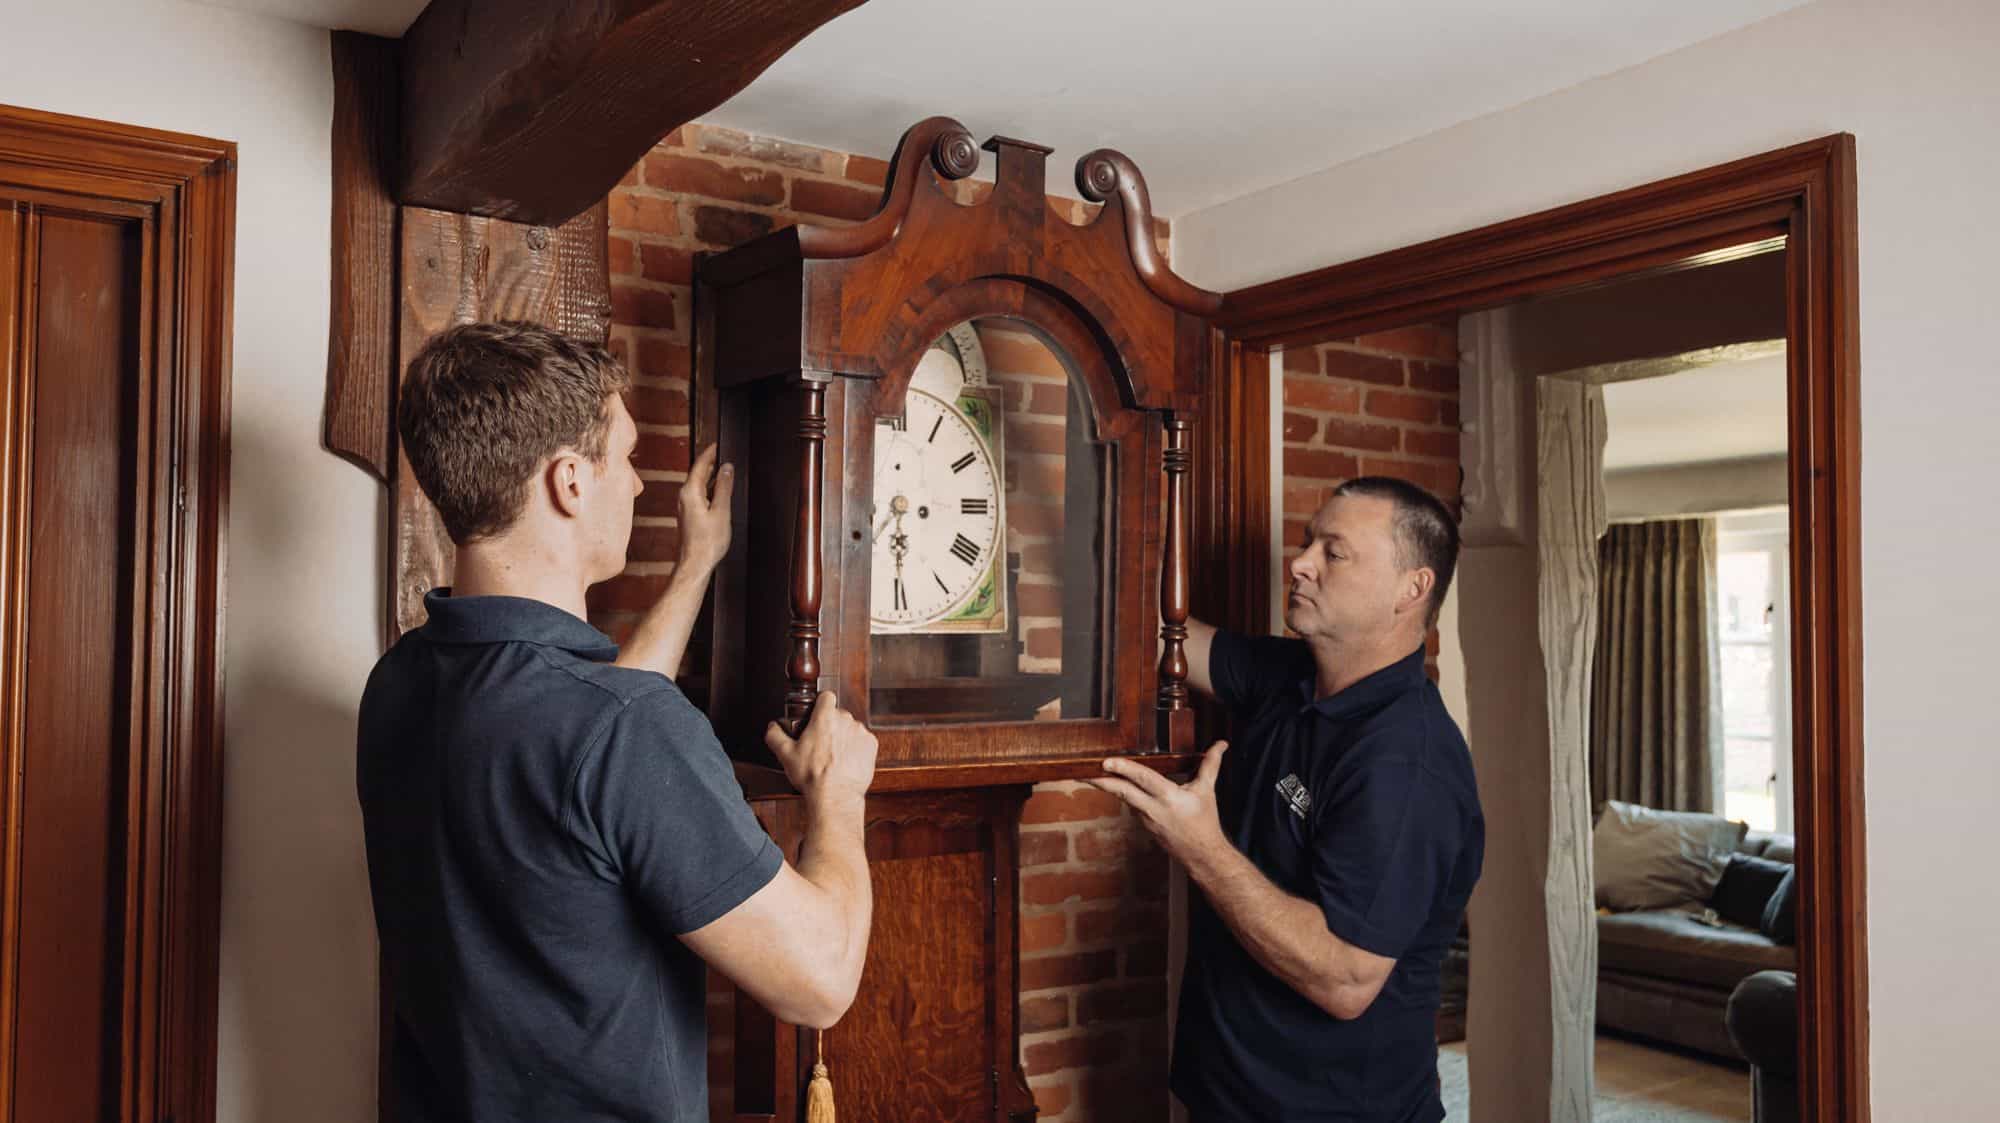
[
  {"x": 1916, "y": 83},
  {"x": 297, "y": 1018}
]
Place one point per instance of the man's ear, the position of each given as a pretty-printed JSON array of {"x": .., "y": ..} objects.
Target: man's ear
[
  {"x": 565, "y": 480},
  {"x": 1417, "y": 588}
]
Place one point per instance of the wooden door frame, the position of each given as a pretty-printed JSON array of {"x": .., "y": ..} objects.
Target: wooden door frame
[
  {"x": 186, "y": 188},
  {"x": 1805, "y": 193}
]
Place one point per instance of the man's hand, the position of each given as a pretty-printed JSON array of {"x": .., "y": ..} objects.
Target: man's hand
[
  {"x": 705, "y": 518},
  {"x": 833, "y": 757},
  {"x": 1181, "y": 816}
]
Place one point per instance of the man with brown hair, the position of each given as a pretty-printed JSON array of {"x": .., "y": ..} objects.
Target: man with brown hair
[{"x": 557, "y": 846}]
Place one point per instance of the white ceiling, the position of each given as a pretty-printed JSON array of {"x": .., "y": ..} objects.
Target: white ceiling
[
  {"x": 1728, "y": 411},
  {"x": 1212, "y": 101}
]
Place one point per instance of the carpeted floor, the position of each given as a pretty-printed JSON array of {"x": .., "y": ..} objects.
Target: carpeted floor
[{"x": 1635, "y": 1084}]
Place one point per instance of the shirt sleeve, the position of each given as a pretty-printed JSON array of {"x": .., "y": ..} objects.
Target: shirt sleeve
[
  {"x": 663, "y": 802},
  {"x": 1384, "y": 851},
  {"x": 1249, "y": 671}
]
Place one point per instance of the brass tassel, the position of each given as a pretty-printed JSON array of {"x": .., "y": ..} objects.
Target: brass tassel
[{"x": 819, "y": 1094}]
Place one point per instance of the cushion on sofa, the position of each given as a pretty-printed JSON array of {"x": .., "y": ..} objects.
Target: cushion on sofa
[
  {"x": 1780, "y": 922},
  {"x": 1674, "y": 945},
  {"x": 1775, "y": 845},
  {"x": 1648, "y": 859},
  {"x": 1746, "y": 888}
]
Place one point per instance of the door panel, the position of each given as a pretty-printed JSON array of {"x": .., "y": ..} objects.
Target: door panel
[{"x": 78, "y": 366}]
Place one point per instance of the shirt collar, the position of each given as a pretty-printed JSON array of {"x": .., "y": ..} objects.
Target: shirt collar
[
  {"x": 511, "y": 620},
  {"x": 1383, "y": 686}
]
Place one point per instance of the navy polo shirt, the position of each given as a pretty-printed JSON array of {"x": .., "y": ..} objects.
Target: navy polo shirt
[
  {"x": 541, "y": 825},
  {"x": 1364, "y": 804}
]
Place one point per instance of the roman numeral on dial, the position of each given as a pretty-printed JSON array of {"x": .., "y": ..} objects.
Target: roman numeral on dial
[
  {"x": 972, "y": 506},
  {"x": 965, "y": 549},
  {"x": 902, "y": 597},
  {"x": 963, "y": 462}
]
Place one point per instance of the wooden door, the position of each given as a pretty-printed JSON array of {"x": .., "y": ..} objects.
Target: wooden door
[{"x": 113, "y": 286}]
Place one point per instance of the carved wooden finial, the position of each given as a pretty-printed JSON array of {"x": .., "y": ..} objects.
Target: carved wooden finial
[{"x": 1107, "y": 172}]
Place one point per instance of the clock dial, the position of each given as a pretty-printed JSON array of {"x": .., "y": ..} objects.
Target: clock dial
[{"x": 936, "y": 519}]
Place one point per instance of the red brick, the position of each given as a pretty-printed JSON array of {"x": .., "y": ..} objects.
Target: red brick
[
  {"x": 1421, "y": 341},
  {"x": 670, "y": 264},
  {"x": 725, "y": 226},
  {"x": 623, "y": 255},
  {"x": 1051, "y": 1099},
  {"x": 1123, "y": 1003},
  {"x": 693, "y": 175},
  {"x": 1046, "y": 932},
  {"x": 644, "y": 214},
  {"x": 1300, "y": 427},
  {"x": 1072, "y": 1052},
  {"x": 764, "y": 150},
  {"x": 1342, "y": 433},
  {"x": 1319, "y": 464},
  {"x": 1055, "y": 888},
  {"x": 1440, "y": 480},
  {"x": 625, "y": 593},
  {"x": 662, "y": 498},
  {"x": 1017, "y": 352},
  {"x": 1049, "y": 805},
  {"x": 1442, "y": 443},
  {"x": 1038, "y": 600},
  {"x": 1303, "y": 360},
  {"x": 1401, "y": 406},
  {"x": 1448, "y": 412},
  {"x": 1026, "y": 515},
  {"x": 654, "y": 544},
  {"x": 1036, "y": 475},
  {"x": 1039, "y": 1015},
  {"x": 1434, "y": 376},
  {"x": 640, "y": 307},
  {"x": 658, "y": 405},
  {"x": 1045, "y": 643},
  {"x": 1048, "y": 399},
  {"x": 1044, "y": 848},
  {"x": 834, "y": 200},
  {"x": 1107, "y": 843},
  {"x": 663, "y": 358},
  {"x": 662, "y": 453},
  {"x": 1364, "y": 368},
  {"x": 1313, "y": 392},
  {"x": 1149, "y": 867},
  {"x": 1303, "y": 499},
  {"x": 1045, "y": 971},
  {"x": 1120, "y": 923},
  {"x": 630, "y": 178},
  {"x": 1034, "y": 435},
  {"x": 868, "y": 170}
]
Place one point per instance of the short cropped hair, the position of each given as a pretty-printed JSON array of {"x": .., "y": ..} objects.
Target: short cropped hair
[
  {"x": 1426, "y": 533},
  {"x": 483, "y": 404}
]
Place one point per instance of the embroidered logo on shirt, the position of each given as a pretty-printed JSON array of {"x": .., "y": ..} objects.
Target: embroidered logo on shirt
[{"x": 1296, "y": 796}]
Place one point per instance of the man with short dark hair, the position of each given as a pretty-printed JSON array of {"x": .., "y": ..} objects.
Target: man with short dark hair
[
  {"x": 556, "y": 843},
  {"x": 1335, "y": 849}
]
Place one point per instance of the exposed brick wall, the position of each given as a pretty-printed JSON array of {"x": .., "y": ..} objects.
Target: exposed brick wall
[
  {"x": 1094, "y": 930},
  {"x": 1383, "y": 404}
]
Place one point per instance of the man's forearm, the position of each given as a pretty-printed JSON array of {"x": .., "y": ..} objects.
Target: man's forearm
[
  {"x": 660, "y": 641},
  {"x": 1286, "y": 935},
  {"x": 834, "y": 859}
]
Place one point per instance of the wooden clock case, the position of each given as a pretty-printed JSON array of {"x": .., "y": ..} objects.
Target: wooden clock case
[{"x": 803, "y": 340}]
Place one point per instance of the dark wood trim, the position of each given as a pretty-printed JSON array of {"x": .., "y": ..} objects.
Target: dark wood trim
[
  {"x": 531, "y": 110},
  {"x": 187, "y": 187},
  {"x": 1107, "y": 172},
  {"x": 1806, "y": 193},
  {"x": 361, "y": 339}
]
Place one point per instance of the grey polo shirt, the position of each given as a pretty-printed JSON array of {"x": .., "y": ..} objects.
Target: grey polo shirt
[{"x": 540, "y": 826}]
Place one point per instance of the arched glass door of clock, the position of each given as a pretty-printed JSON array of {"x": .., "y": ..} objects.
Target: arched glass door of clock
[{"x": 991, "y": 537}]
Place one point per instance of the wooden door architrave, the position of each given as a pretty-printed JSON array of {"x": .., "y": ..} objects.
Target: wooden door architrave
[
  {"x": 181, "y": 191},
  {"x": 1806, "y": 194}
]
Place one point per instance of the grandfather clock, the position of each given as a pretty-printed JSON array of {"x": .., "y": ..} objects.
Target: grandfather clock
[{"x": 960, "y": 429}]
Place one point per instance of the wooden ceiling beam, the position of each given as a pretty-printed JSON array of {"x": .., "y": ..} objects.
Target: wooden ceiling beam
[{"x": 531, "y": 110}]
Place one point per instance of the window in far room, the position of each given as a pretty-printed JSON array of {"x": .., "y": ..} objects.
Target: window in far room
[{"x": 1753, "y": 629}]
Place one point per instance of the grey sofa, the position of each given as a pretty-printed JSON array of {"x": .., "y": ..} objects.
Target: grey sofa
[{"x": 1663, "y": 975}]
